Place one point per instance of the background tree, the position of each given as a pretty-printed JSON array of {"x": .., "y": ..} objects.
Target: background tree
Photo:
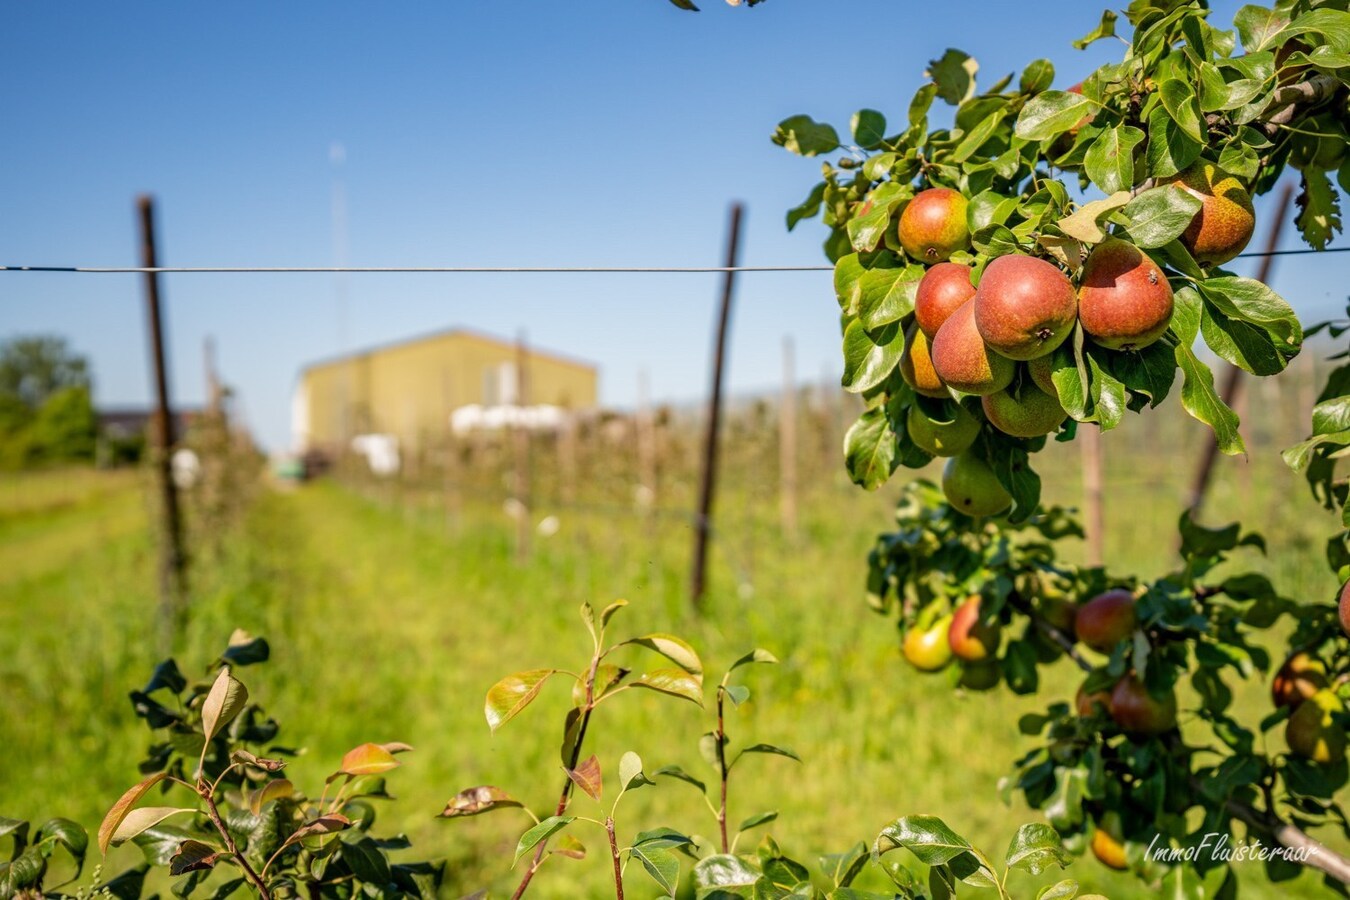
[{"x": 46, "y": 408}]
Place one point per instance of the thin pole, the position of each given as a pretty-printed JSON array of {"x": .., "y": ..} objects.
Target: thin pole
[
  {"x": 787, "y": 442},
  {"x": 1233, "y": 380},
  {"x": 1090, "y": 443},
  {"x": 521, "y": 462},
  {"x": 707, "y": 482},
  {"x": 172, "y": 556}
]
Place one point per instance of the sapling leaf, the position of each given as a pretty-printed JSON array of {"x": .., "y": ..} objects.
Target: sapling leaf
[
  {"x": 569, "y": 847},
  {"x": 681, "y": 775},
  {"x": 273, "y": 790},
  {"x": 541, "y": 832},
  {"x": 663, "y": 838},
  {"x": 757, "y": 820},
  {"x": 193, "y": 856},
  {"x": 1050, "y": 114},
  {"x": 223, "y": 702},
  {"x": 675, "y": 682},
  {"x": 766, "y": 748},
  {"x": 608, "y": 612},
  {"x": 1036, "y": 847},
  {"x": 757, "y": 655},
  {"x": 476, "y": 800},
  {"x": 267, "y": 765},
  {"x": 142, "y": 818},
  {"x": 119, "y": 810},
  {"x": 737, "y": 693},
  {"x": 630, "y": 772},
  {"x": 672, "y": 648},
  {"x": 662, "y": 865},
  {"x": 367, "y": 759},
  {"x": 587, "y": 776},
  {"x": 244, "y": 649},
  {"x": 508, "y": 697}
]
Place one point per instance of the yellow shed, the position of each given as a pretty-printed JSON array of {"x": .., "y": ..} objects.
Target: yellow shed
[{"x": 409, "y": 388}]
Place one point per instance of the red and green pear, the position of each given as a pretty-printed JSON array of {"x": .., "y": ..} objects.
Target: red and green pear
[
  {"x": 942, "y": 290},
  {"x": 1313, "y": 732},
  {"x": 1124, "y": 300},
  {"x": 1226, "y": 220},
  {"x": 933, "y": 225},
  {"x": 1041, "y": 369},
  {"x": 1031, "y": 412},
  {"x": 1107, "y": 845},
  {"x": 1024, "y": 306},
  {"x": 1344, "y": 608},
  {"x": 927, "y": 649},
  {"x": 1086, "y": 704},
  {"x": 971, "y": 638},
  {"x": 1138, "y": 712},
  {"x": 1301, "y": 676},
  {"x": 962, "y": 359},
  {"x": 1106, "y": 619}
]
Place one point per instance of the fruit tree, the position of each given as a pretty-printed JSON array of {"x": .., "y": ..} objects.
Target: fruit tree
[{"x": 1043, "y": 261}]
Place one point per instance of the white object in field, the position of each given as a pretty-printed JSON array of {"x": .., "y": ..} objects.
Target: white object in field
[
  {"x": 300, "y": 419},
  {"x": 476, "y": 417},
  {"x": 548, "y": 526},
  {"x": 187, "y": 468},
  {"x": 514, "y": 509},
  {"x": 380, "y": 451}
]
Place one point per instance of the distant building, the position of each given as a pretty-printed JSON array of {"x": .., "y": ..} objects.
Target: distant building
[{"x": 410, "y": 388}]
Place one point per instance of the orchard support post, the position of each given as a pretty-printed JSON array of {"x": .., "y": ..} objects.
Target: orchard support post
[
  {"x": 708, "y": 478},
  {"x": 521, "y": 456},
  {"x": 787, "y": 443},
  {"x": 1232, "y": 384},
  {"x": 172, "y": 554}
]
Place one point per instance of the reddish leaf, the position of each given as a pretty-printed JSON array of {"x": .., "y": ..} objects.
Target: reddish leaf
[
  {"x": 193, "y": 856},
  {"x": 587, "y": 777},
  {"x": 475, "y": 800},
  {"x": 368, "y": 759},
  {"x": 121, "y": 808}
]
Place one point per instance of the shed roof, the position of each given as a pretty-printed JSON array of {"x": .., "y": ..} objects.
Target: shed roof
[{"x": 457, "y": 332}]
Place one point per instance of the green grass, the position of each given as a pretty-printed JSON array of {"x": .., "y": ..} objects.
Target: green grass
[{"x": 388, "y": 623}]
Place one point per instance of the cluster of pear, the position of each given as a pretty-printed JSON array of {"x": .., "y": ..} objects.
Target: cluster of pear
[
  {"x": 962, "y": 635},
  {"x": 974, "y": 339},
  {"x": 1314, "y": 730}
]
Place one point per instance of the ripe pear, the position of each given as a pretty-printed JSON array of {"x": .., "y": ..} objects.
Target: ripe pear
[
  {"x": 972, "y": 639},
  {"x": 1224, "y": 224},
  {"x": 963, "y": 361},
  {"x": 941, "y": 292},
  {"x": 1106, "y": 619},
  {"x": 1031, "y": 413},
  {"x": 916, "y": 365},
  {"x": 1086, "y": 704},
  {"x": 972, "y": 487},
  {"x": 1024, "y": 307},
  {"x": 1313, "y": 732},
  {"x": 942, "y": 438},
  {"x": 926, "y": 649},
  {"x": 1040, "y": 369},
  {"x": 933, "y": 225},
  {"x": 1137, "y": 711},
  {"x": 1124, "y": 300},
  {"x": 1301, "y": 676},
  {"x": 1345, "y": 608},
  {"x": 1106, "y": 846}
]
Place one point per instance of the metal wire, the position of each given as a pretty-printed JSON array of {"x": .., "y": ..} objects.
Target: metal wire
[{"x": 481, "y": 270}]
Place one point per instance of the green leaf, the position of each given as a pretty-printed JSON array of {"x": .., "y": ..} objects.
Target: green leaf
[
  {"x": 1036, "y": 847},
  {"x": 1170, "y": 149},
  {"x": 1179, "y": 99},
  {"x": 757, "y": 820},
  {"x": 1198, "y": 396},
  {"x": 1319, "y": 217},
  {"x": 1108, "y": 395},
  {"x": 1240, "y": 343},
  {"x": 758, "y": 655},
  {"x": 1160, "y": 215},
  {"x": 687, "y": 5},
  {"x": 630, "y": 772},
  {"x": 193, "y": 856},
  {"x": 848, "y": 273},
  {"x": 1258, "y": 26},
  {"x": 677, "y": 650},
  {"x": 662, "y": 865},
  {"x": 223, "y": 702},
  {"x": 1110, "y": 160},
  {"x": 1105, "y": 28},
  {"x": 1298, "y": 456},
  {"x": 805, "y": 136},
  {"x": 663, "y": 839},
  {"x": 887, "y": 294},
  {"x": 765, "y": 748},
  {"x": 738, "y": 693},
  {"x": 1333, "y": 25},
  {"x": 541, "y": 832},
  {"x": 927, "y": 837},
  {"x": 513, "y": 693},
  {"x": 141, "y": 819},
  {"x": 723, "y": 876},
  {"x": 680, "y": 774},
  {"x": 367, "y": 861},
  {"x": 1050, "y": 114},
  {"x": 1254, "y": 302},
  {"x": 869, "y": 128},
  {"x": 842, "y": 868},
  {"x": 868, "y": 226},
  {"x": 1063, "y": 890},
  {"x": 954, "y": 75},
  {"x": 869, "y": 357},
  {"x": 674, "y": 682},
  {"x": 244, "y": 649},
  {"x": 1037, "y": 76},
  {"x": 975, "y": 138}
]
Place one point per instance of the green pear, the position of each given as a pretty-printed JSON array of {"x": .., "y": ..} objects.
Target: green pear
[
  {"x": 1024, "y": 306},
  {"x": 973, "y": 488},
  {"x": 1030, "y": 413},
  {"x": 963, "y": 361},
  {"x": 942, "y": 438},
  {"x": 1313, "y": 732}
]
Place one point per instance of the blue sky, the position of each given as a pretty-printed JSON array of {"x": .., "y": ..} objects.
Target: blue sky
[{"x": 610, "y": 132}]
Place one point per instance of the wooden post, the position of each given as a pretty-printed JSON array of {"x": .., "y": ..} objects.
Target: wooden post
[
  {"x": 646, "y": 444},
  {"x": 708, "y": 478},
  {"x": 1090, "y": 448},
  {"x": 787, "y": 443},
  {"x": 521, "y": 457},
  {"x": 1233, "y": 380},
  {"x": 172, "y": 555}
]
